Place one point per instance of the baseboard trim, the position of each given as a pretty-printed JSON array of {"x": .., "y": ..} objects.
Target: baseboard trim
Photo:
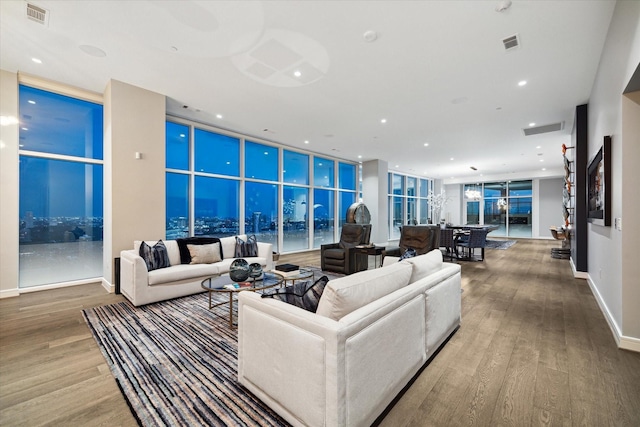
[
  {"x": 623, "y": 342},
  {"x": 630, "y": 343},
  {"x": 108, "y": 286},
  {"x": 9, "y": 293},
  {"x": 578, "y": 274}
]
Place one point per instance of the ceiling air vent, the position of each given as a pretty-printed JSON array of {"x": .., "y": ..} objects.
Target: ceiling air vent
[
  {"x": 511, "y": 43},
  {"x": 37, "y": 14},
  {"x": 537, "y": 130}
]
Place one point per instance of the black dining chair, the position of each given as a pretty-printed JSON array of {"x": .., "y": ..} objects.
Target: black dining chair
[
  {"x": 447, "y": 242},
  {"x": 477, "y": 239}
]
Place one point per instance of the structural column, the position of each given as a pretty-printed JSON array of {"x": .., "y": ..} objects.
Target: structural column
[{"x": 374, "y": 196}]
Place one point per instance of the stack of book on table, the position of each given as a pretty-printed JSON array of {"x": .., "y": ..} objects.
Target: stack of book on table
[{"x": 287, "y": 270}]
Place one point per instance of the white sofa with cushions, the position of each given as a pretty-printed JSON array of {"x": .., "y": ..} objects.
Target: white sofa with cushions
[
  {"x": 345, "y": 363},
  {"x": 141, "y": 286}
]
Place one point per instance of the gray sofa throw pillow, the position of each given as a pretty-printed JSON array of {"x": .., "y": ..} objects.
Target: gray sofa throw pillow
[
  {"x": 246, "y": 249},
  {"x": 155, "y": 257},
  {"x": 305, "y": 295}
]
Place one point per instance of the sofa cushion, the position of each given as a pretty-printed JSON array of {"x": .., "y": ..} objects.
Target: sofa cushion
[
  {"x": 185, "y": 254},
  {"x": 305, "y": 295},
  {"x": 228, "y": 246},
  {"x": 179, "y": 272},
  {"x": 205, "y": 254},
  {"x": 346, "y": 294},
  {"x": 424, "y": 265},
  {"x": 156, "y": 256},
  {"x": 246, "y": 248}
]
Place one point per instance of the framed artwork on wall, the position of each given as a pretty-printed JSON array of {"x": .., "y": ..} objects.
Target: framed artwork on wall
[{"x": 598, "y": 184}]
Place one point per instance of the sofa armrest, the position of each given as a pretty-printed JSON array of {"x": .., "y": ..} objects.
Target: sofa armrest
[{"x": 133, "y": 273}]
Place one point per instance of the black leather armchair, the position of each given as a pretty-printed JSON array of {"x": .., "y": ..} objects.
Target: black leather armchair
[
  {"x": 421, "y": 238},
  {"x": 339, "y": 257}
]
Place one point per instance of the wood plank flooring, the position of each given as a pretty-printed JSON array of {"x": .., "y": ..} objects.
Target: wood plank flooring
[{"x": 533, "y": 349}]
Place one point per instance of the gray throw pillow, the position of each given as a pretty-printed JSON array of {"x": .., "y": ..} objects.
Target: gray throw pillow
[
  {"x": 409, "y": 253},
  {"x": 155, "y": 257},
  {"x": 305, "y": 295},
  {"x": 246, "y": 249}
]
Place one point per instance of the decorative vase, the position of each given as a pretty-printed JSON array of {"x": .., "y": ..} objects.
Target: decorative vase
[
  {"x": 255, "y": 271},
  {"x": 239, "y": 270}
]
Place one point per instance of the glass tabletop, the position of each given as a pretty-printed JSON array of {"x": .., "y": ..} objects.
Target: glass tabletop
[{"x": 222, "y": 283}]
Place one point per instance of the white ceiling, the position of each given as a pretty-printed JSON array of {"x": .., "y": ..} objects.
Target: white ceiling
[{"x": 438, "y": 72}]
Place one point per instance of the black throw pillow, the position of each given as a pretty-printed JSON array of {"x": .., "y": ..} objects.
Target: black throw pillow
[
  {"x": 185, "y": 255},
  {"x": 155, "y": 257},
  {"x": 305, "y": 295}
]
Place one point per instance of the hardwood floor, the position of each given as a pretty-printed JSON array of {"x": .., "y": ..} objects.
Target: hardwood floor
[{"x": 533, "y": 349}]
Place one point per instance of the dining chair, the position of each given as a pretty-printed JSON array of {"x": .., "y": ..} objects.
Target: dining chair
[
  {"x": 477, "y": 239},
  {"x": 447, "y": 242}
]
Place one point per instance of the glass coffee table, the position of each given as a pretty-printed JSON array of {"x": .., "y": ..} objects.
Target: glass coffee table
[
  {"x": 303, "y": 273},
  {"x": 219, "y": 284}
]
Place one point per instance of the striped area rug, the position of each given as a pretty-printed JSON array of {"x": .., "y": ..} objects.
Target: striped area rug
[{"x": 176, "y": 363}]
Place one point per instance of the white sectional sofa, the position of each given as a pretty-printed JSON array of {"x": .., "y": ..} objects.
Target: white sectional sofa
[
  {"x": 143, "y": 287},
  {"x": 344, "y": 364}
]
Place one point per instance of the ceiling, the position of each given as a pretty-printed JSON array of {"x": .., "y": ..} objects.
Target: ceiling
[{"x": 329, "y": 72}]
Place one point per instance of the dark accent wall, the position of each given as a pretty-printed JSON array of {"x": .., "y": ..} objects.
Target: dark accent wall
[{"x": 579, "y": 243}]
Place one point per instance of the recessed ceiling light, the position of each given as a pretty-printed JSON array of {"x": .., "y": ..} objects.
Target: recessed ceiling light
[
  {"x": 539, "y": 147},
  {"x": 31, "y": 101},
  {"x": 297, "y": 73},
  {"x": 451, "y": 158},
  {"x": 383, "y": 121},
  {"x": 359, "y": 156},
  {"x": 397, "y": 166},
  {"x": 544, "y": 169},
  {"x": 522, "y": 82},
  {"x": 218, "y": 116},
  {"x": 532, "y": 124},
  {"x": 36, "y": 60},
  {"x": 306, "y": 142},
  {"x": 542, "y": 160},
  {"x": 426, "y": 144},
  {"x": 370, "y": 36}
]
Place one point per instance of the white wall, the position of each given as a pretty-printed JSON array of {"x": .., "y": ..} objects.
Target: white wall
[
  {"x": 549, "y": 205},
  {"x": 453, "y": 208},
  {"x": 134, "y": 188},
  {"x": 374, "y": 196},
  {"x": 9, "y": 175},
  {"x": 621, "y": 56}
]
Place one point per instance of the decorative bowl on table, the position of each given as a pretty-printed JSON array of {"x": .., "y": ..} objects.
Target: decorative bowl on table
[
  {"x": 239, "y": 270},
  {"x": 255, "y": 271}
]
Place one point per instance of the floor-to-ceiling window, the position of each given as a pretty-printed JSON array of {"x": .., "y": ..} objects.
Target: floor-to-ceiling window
[
  {"x": 506, "y": 205},
  {"x": 220, "y": 184},
  {"x": 61, "y": 188},
  {"x": 407, "y": 202}
]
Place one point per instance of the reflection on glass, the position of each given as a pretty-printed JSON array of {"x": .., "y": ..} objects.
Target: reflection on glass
[
  {"x": 398, "y": 184},
  {"x": 177, "y": 197},
  {"x": 323, "y": 172},
  {"x": 61, "y": 221},
  {"x": 412, "y": 183},
  {"x": 260, "y": 161},
  {"x": 424, "y": 188},
  {"x": 346, "y": 176},
  {"x": 424, "y": 211},
  {"x": 57, "y": 124},
  {"x": 261, "y": 212},
  {"x": 295, "y": 218},
  {"x": 216, "y": 207},
  {"x": 346, "y": 200},
  {"x": 495, "y": 214},
  {"x": 520, "y": 188},
  {"x": 323, "y": 217},
  {"x": 495, "y": 189},
  {"x": 473, "y": 212},
  {"x": 396, "y": 218},
  {"x": 216, "y": 153},
  {"x": 177, "y": 146},
  {"x": 296, "y": 167},
  {"x": 519, "y": 216},
  {"x": 411, "y": 211}
]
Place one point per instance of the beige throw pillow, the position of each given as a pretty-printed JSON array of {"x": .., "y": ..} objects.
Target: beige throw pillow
[{"x": 205, "y": 254}]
